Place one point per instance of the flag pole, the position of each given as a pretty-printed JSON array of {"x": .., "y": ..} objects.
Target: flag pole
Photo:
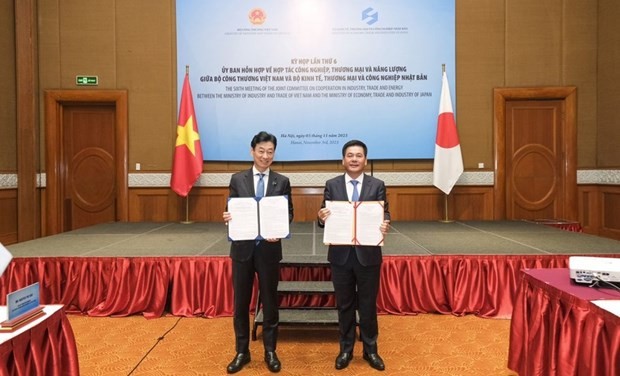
[
  {"x": 445, "y": 196},
  {"x": 187, "y": 221},
  {"x": 445, "y": 208}
]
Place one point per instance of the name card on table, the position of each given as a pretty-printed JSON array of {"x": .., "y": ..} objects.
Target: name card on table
[{"x": 22, "y": 307}]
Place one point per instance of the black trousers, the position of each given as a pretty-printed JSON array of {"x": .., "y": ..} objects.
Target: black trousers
[
  {"x": 243, "y": 273},
  {"x": 357, "y": 286}
]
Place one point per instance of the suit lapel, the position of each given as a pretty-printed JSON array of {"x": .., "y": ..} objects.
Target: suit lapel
[
  {"x": 271, "y": 183},
  {"x": 342, "y": 189},
  {"x": 249, "y": 182},
  {"x": 366, "y": 187}
]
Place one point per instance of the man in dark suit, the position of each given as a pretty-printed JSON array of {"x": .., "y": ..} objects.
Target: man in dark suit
[
  {"x": 356, "y": 269},
  {"x": 257, "y": 257}
]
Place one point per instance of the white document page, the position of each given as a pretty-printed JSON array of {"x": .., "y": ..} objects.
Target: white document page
[
  {"x": 612, "y": 306},
  {"x": 244, "y": 218},
  {"x": 339, "y": 225},
  {"x": 5, "y": 258},
  {"x": 369, "y": 219},
  {"x": 354, "y": 223},
  {"x": 273, "y": 212}
]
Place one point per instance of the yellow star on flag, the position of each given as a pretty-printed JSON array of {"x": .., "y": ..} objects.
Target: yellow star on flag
[{"x": 187, "y": 136}]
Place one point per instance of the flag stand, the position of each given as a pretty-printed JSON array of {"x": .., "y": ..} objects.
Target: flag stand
[
  {"x": 445, "y": 208},
  {"x": 187, "y": 162},
  {"x": 448, "y": 162},
  {"x": 187, "y": 221}
]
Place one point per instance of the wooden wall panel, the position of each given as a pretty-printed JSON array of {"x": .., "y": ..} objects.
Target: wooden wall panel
[
  {"x": 27, "y": 100},
  {"x": 589, "y": 211},
  {"x": 420, "y": 203},
  {"x": 205, "y": 204},
  {"x": 150, "y": 205},
  {"x": 162, "y": 205},
  {"x": 579, "y": 68},
  {"x": 8, "y": 216},
  {"x": 471, "y": 204},
  {"x": 610, "y": 205},
  {"x": 8, "y": 116},
  {"x": 599, "y": 206},
  {"x": 607, "y": 89},
  {"x": 428, "y": 204},
  {"x": 406, "y": 204},
  {"x": 307, "y": 202}
]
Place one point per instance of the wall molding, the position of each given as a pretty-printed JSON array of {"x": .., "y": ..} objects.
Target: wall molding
[
  {"x": 598, "y": 177},
  {"x": 317, "y": 179},
  {"x": 8, "y": 181}
]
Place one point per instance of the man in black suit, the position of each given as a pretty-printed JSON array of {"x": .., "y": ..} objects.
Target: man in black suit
[
  {"x": 356, "y": 269},
  {"x": 257, "y": 257}
]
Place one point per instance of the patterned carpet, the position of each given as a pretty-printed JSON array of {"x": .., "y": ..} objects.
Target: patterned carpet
[{"x": 421, "y": 345}]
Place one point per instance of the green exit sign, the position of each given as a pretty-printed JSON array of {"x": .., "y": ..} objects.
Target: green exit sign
[{"x": 87, "y": 80}]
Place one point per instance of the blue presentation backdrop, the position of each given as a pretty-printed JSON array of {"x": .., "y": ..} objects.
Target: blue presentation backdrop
[{"x": 316, "y": 73}]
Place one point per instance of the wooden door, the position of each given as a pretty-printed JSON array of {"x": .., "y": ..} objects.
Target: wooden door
[
  {"x": 86, "y": 158},
  {"x": 88, "y": 182},
  {"x": 535, "y": 138},
  {"x": 534, "y": 157}
]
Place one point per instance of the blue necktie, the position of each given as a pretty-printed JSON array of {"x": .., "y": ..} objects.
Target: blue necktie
[
  {"x": 355, "y": 196},
  {"x": 260, "y": 187},
  {"x": 260, "y": 192}
]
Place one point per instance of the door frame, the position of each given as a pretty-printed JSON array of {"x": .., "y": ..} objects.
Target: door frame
[
  {"x": 54, "y": 102},
  {"x": 567, "y": 94}
]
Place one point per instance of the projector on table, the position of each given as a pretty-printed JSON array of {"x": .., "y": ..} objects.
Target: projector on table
[{"x": 592, "y": 269}]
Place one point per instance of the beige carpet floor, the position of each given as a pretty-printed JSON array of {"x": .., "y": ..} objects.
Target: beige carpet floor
[{"x": 410, "y": 345}]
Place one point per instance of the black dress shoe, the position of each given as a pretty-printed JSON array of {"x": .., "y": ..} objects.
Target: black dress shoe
[
  {"x": 273, "y": 363},
  {"x": 240, "y": 360},
  {"x": 375, "y": 361},
  {"x": 343, "y": 359}
]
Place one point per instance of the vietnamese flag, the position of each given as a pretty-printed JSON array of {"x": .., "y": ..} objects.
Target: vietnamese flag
[
  {"x": 448, "y": 164},
  {"x": 187, "y": 163}
]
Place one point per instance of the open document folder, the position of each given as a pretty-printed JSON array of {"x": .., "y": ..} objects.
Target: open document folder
[
  {"x": 354, "y": 223},
  {"x": 5, "y": 258},
  {"x": 258, "y": 218}
]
